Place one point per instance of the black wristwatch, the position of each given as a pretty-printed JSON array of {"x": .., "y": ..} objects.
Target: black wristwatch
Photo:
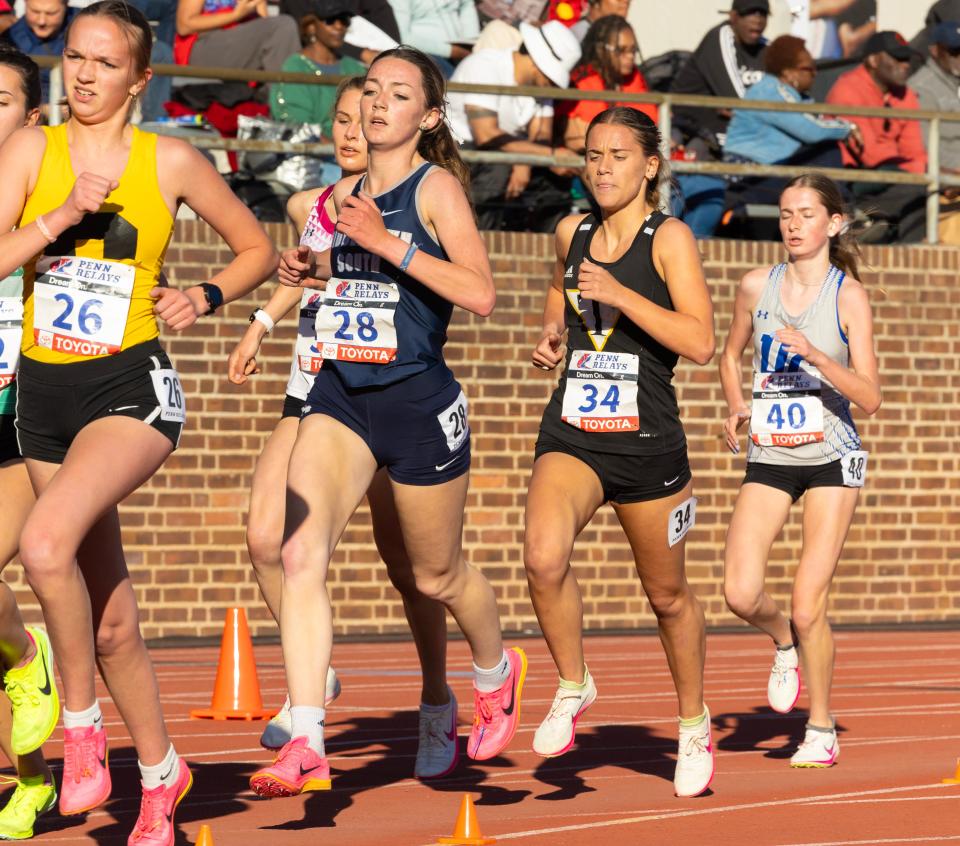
[{"x": 213, "y": 295}]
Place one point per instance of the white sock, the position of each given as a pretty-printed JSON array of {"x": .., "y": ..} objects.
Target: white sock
[
  {"x": 306, "y": 721},
  {"x": 165, "y": 773},
  {"x": 488, "y": 681},
  {"x": 81, "y": 719}
]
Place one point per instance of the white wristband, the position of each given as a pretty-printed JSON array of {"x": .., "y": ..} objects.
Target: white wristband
[{"x": 262, "y": 317}]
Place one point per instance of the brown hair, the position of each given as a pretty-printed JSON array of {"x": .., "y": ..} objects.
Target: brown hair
[
  {"x": 648, "y": 137},
  {"x": 598, "y": 45},
  {"x": 844, "y": 248},
  {"x": 782, "y": 54},
  {"x": 348, "y": 83},
  {"x": 436, "y": 145},
  {"x": 28, "y": 72},
  {"x": 131, "y": 20}
]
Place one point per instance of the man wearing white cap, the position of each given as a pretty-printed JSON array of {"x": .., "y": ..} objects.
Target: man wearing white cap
[{"x": 514, "y": 124}]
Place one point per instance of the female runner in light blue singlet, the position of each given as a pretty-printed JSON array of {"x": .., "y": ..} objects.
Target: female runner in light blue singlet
[{"x": 812, "y": 332}]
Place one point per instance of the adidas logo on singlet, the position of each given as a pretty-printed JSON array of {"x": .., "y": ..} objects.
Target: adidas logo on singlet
[{"x": 569, "y": 272}]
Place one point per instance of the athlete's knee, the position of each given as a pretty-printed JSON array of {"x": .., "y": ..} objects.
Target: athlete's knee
[
  {"x": 546, "y": 562},
  {"x": 300, "y": 560},
  {"x": 263, "y": 545},
  {"x": 670, "y": 601},
  {"x": 807, "y": 616},
  {"x": 116, "y": 636},
  {"x": 42, "y": 553},
  {"x": 443, "y": 584},
  {"x": 741, "y": 600}
]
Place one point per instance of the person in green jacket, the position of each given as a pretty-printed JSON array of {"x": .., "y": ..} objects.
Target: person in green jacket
[{"x": 322, "y": 35}]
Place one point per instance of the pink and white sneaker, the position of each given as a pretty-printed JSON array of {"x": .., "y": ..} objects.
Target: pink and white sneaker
[
  {"x": 86, "y": 776},
  {"x": 695, "y": 759},
  {"x": 296, "y": 769},
  {"x": 157, "y": 806},
  {"x": 497, "y": 713},
  {"x": 819, "y": 750}
]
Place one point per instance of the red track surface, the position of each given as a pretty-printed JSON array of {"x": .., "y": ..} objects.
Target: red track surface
[{"x": 896, "y": 699}]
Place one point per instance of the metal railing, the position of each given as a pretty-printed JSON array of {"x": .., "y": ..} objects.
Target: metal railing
[{"x": 932, "y": 181}]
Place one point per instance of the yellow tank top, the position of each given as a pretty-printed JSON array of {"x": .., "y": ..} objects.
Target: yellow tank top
[{"x": 88, "y": 294}]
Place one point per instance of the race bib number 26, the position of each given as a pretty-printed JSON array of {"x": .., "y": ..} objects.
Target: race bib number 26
[{"x": 81, "y": 305}]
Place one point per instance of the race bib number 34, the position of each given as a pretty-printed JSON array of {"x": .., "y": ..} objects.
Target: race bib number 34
[
  {"x": 11, "y": 328},
  {"x": 81, "y": 305},
  {"x": 601, "y": 392},
  {"x": 356, "y": 321},
  {"x": 787, "y": 409}
]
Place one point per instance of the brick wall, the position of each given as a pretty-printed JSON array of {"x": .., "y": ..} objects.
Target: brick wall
[{"x": 184, "y": 531}]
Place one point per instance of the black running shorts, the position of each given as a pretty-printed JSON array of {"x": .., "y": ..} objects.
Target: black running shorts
[{"x": 56, "y": 401}]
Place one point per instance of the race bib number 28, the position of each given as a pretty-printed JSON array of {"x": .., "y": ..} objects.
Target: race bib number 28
[{"x": 356, "y": 321}]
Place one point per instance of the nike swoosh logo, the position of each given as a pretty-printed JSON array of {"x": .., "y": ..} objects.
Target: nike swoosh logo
[
  {"x": 303, "y": 772},
  {"x": 667, "y": 484},
  {"x": 513, "y": 701},
  {"x": 45, "y": 690},
  {"x": 168, "y": 773},
  {"x": 395, "y": 211},
  {"x": 440, "y": 467},
  {"x": 123, "y": 408}
]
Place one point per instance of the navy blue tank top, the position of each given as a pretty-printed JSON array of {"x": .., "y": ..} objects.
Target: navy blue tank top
[{"x": 421, "y": 316}]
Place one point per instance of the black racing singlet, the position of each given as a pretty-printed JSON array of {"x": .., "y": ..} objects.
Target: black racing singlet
[{"x": 616, "y": 393}]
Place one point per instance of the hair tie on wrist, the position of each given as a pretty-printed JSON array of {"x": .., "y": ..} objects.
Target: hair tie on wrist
[
  {"x": 408, "y": 257},
  {"x": 43, "y": 229}
]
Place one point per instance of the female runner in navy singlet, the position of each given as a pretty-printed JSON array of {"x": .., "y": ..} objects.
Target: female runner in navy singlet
[
  {"x": 405, "y": 252},
  {"x": 628, "y": 291}
]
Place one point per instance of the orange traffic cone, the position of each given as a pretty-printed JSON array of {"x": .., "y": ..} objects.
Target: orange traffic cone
[
  {"x": 236, "y": 692},
  {"x": 956, "y": 776},
  {"x": 467, "y": 830},
  {"x": 205, "y": 837}
]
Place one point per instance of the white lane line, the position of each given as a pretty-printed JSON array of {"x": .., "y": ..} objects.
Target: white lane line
[{"x": 723, "y": 809}]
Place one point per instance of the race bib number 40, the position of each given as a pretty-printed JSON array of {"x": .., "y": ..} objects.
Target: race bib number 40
[
  {"x": 854, "y": 467},
  {"x": 601, "y": 392},
  {"x": 11, "y": 329},
  {"x": 356, "y": 321},
  {"x": 787, "y": 409},
  {"x": 81, "y": 305}
]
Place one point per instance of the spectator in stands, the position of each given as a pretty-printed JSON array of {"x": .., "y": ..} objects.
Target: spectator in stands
[
  {"x": 378, "y": 13},
  {"x": 444, "y": 29},
  {"x": 322, "y": 39},
  {"x": 515, "y": 124},
  {"x": 40, "y": 32},
  {"x": 937, "y": 84},
  {"x": 164, "y": 13},
  {"x": 888, "y": 143},
  {"x": 608, "y": 63},
  {"x": 777, "y": 137},
  {"x": 726, "y": 63},
  {"x": 942, "y": 10},
  {"x": 595, "y": 10},
  {"x": 7, "y": 17},
  {"x": 233, "y": 34}
]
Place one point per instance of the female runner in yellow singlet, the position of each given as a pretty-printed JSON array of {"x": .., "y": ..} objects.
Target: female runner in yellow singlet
[{"x": 100, "y": 406}]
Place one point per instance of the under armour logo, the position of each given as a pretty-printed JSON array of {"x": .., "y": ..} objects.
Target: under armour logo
[{"x": 763, "y": 315}]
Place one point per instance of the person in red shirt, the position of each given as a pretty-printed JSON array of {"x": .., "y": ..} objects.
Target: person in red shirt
[
  {"x": 888, "y": 143},
  {"x": 7, "y": 17},
  {"x": 609, "y": 63}
]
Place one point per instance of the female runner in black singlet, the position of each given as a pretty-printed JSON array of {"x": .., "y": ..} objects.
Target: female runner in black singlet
[{"x": 628, "y": 290}]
